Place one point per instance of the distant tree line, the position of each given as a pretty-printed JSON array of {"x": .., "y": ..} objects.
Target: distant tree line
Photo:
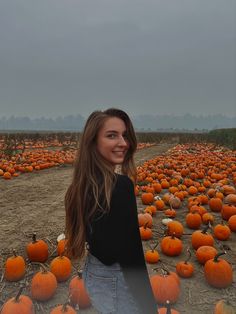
[{"x": 142, "y": 123}]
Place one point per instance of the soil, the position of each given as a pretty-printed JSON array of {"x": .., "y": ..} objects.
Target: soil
[{"x": 34, "y": 202}]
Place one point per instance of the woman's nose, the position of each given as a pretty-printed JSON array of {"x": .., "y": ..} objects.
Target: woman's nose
[{"x": 122, "y": 141}]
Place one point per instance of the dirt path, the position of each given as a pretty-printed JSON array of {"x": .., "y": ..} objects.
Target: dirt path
[{"x": 34, "y": 202}]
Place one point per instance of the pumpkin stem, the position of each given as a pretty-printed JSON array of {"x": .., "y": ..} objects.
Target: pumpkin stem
[
  {"x": 189, "y": 256},
  {"x": 64, "y": 307},
  {"x": 206, "y": 227},
  {"x": 155, "y": 246},
  {"x": 44, "y": 269},
  {"x": 217, "y": 256},
  {"x": 79, "y": 273},
  {"x": 168, "y": 308},
  {"x": 34, "y": 237},
  {"x": 14, "y": 253},
  {"x": 19, "y": 294}
]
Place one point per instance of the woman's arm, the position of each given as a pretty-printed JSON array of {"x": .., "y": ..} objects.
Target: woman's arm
[{"x": 128, "y": 245}]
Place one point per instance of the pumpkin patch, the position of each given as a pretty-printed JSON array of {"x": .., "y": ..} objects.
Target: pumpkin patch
[{"x": 186, "y": 182}]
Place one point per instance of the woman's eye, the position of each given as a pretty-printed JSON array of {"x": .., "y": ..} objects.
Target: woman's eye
[{"x": 111, "y": 135}]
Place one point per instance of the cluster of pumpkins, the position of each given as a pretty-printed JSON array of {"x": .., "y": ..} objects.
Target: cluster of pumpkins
[
  {"x": 44, "y": 283},
  {"x": 202, "y": 185}
]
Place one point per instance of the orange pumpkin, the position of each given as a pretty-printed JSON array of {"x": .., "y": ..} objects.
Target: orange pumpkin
[
  {"x": 218, "y": 272},
  {"x": 207, "y": 218},
  {"x": 145, "y": 219},
  {"x": 61, "y": 246},
  {"x": 167, "y": 309},
  {"x": 145, "y": 232},
  {"x": 21, "y": 304},
  {"x": 221, "y": 232},
  {"x": 215, "y": 204},
  {"x": 171, "y": 246},
  {"x": 61, "y": 267},
  {"x": 14, "y": 267},
  {"x": 193, "y": 220},
  {"x": 78, "y": 292},
  {"x": 61, "y": 309},
  {"x": 232, "y": 223},
  {"x": 228, "y": 211},
  {"x": 165, "y": 287},
  {"x": 184, "y": 268},
  {"x": 230, "y": 199},
  {"x": 201, "y": 237},
  {"x": 204, "y": 253},
  {"x": 43, "y": 285},
  {"x": 37, "y": 250},
  {"x": 224, "y": 307},
  {"x": 147, "y": 198},
  {"x": 175, "y": 228}
]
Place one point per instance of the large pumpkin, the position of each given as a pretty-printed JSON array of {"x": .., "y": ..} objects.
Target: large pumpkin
[
  {"x": 43, "y": 285},
  {"x": 218, "y": 272},
  {"x": 165, "y": 287},
  {"x": 21, "y": 304}
]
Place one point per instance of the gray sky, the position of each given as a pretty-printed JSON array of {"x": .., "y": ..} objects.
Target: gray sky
[{"x": 60, "y": 57}]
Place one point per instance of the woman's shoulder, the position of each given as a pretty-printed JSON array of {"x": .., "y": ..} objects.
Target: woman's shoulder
[{"x": 123, "y": 182}]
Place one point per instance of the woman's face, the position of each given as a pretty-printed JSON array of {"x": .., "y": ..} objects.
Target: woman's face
[{"x": 112, "y": 142}]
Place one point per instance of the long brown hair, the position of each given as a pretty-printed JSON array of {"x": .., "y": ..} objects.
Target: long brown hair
[{"x": 93, "y": 179}]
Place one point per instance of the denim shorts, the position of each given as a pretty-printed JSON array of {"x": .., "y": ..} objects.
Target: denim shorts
[{"x": 107, "y": 288}]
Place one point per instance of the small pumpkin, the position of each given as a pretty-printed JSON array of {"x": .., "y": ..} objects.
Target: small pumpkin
[
  {"x": 170, "y": 212},
  {"x": 78, "y": 292},
  {"x": 63, "y": 308},
  {"x": 232, "y": 223},
  {"x": 230, "y": 199},
  {"x": 61, "y": 247},
  {"x": 193, "y": 220},
  {"x": 201, "y": 237},
  {"x": 37, "y": 250},
  {"x": 224, "y": 307},
  {"x": 167, "y": 309},
  {"x": 14, "y": 267},
  {"x": 145, "y": 232},
  {"x": 184, "y": 268},
  {"x": 171, "y": 246},
  {"x": 221, "y": 232},
  {"x": 61, "y": 267},
  {"x": 204, "y": 253},
  {"x": 174, "y": 202},
  {"x": 207, "y": 218},
  {"x": 215, "y": 204},
  {"x": 145, "y": 219},
  {"x": 152, "y": 256},
  {"x": 218, "y": 272},
  {"x": 147, "y": 198},
  {"x": 175, "y": 228},
  {"x": 227, "y": 211}
]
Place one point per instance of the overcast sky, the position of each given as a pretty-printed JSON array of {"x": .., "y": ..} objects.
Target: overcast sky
[{"x": 61, "y": 57}]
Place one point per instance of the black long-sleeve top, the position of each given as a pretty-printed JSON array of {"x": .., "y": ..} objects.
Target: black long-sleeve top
[{"x": 115, "y": 237}]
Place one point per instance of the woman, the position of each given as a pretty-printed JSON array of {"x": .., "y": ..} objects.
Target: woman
[{"x": 101, "y": 212}]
